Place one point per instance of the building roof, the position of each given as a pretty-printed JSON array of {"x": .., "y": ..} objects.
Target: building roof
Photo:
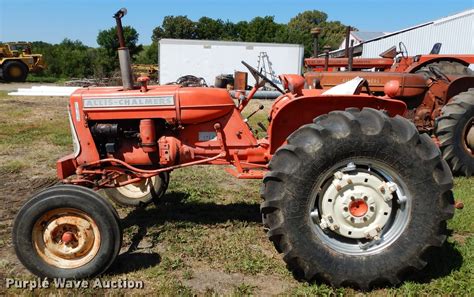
[
  {"x": 454, "y": 32},
  {"x": 364, "y": 36},
  {"x": 438, "y": 21}
]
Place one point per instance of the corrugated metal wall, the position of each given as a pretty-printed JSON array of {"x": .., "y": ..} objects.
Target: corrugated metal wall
[{"x": 456, "y": 33}]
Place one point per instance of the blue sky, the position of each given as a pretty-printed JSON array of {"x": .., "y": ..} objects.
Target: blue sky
[{"x": 52, "y": 21}]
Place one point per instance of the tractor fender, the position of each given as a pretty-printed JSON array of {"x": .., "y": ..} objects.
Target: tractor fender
[
  {"x": 459, "y": 85},
  {"x": 290, "y": 113}
]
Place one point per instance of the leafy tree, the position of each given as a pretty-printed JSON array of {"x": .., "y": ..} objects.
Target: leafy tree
[
  {"x": 299, "y": 30},
  {"x": 149, "y": 54},
  {"x": 67, "y": 59},
  {"x": 108, "y": 42},
  {"x": 210, "y": 29},
  {"x": 178, "y": 27},
  {"x": 262, "y": 29}
]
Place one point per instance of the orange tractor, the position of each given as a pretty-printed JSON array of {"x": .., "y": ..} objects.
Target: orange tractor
[
  {"x": 438, "y": 91},
  {"x": 352, "y": 193}
]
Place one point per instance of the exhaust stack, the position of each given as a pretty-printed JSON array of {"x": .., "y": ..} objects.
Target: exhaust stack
[{"x": 123, "y": 52}]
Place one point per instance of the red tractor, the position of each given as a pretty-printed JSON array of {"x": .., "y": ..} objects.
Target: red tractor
[
  {"x": 438, "y": 91},
  {"x": 352, "y": 193}
]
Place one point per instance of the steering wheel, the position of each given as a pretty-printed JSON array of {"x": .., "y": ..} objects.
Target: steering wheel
[
  {"x": 403, "y": 50},
  {"x": 438, "y": 73},
  {"x": 258, "y": 75}
]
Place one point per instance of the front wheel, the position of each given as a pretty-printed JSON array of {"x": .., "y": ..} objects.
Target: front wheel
[
  {"x": 356, "y": 199},
  {"x": 15, "y": 71},
  {"x": 67, "y": 232}
]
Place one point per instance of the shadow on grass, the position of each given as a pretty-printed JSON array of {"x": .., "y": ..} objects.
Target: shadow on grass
[
  {"x": 441, "y": 262},
  {"x": 130, "y": 262},
  {"x": 174, "y": 208}
]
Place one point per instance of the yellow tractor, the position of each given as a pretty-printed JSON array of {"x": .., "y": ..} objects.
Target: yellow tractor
[{"x": 16, "y": 61}]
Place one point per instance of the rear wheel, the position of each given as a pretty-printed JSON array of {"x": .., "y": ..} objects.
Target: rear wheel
[
  {"x": 142, "y": 193},
  {"x": 455, "y": 131},
  {"x": 15, "y": 71},
  {"x": 356, "y": 199},
  {"x": 447, "y": 68},
  {"x": 67, "y": 231}
]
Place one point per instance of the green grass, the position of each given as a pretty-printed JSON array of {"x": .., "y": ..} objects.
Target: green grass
[
  {"x": 14, "y": 133},
  {"x": 12, "y": 166},
  {"x": 463, "y": 222}
]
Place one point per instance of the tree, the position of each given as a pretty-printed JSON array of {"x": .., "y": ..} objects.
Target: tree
[
  {"x": 149, "y": 54},
  {"x": 299, "y": 30},
  {"x": 109, "y": 43},
  {"x": 210, "y": 29},
  {"x": 178, "y": 27},
  {"x": 66, "y": 59},
  {"x": 262, "y": 29}
]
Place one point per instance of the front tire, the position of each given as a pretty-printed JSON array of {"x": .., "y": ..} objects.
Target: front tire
[
  {"x": 455, "y": 131},
  {"x": 15, "y": 71},
  {"x": 68, "y": 232},
  {"x": 356, "y": 199}
]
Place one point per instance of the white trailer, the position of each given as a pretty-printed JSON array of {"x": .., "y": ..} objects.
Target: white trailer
[{"x": 208, "y": 59}]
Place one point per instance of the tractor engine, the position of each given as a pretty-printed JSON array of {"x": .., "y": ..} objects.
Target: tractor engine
[{"x": 140, "y": 142}]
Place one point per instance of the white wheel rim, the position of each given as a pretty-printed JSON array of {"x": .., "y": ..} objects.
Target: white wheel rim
[
  {"x": 137, "y": 190},
  {"x": 52, "y": 243},
  {"x": 381, "y": 193},
  {"x": 357, "y": 205}
]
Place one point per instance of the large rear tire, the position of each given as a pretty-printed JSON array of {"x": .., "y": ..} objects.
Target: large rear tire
[
  {"x": 447, "y": 67},
  {"x": 14, "y": 71},
  {"x": 455, "y": 131},
  {"x": 68, "y": 232},
  {"x": 140, "y": 194},
  {"x": 357, "y": 199}
]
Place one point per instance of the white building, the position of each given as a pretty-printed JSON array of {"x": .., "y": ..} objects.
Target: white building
[{"x": 455, "y": 33}]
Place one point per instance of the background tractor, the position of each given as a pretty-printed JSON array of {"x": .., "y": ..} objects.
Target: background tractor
[
  {"x": 438, "y": 91},
  {"x": 353, "y": 195},
  {"x": 16, "y": 61}
]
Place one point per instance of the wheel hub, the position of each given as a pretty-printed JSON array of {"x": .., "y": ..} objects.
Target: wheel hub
[
  {"x": 66, "y": 238},
  {"x": 358, "y": 208},
  {"x": 357, "y": 205},
  {"x": 15, "y": 71}
]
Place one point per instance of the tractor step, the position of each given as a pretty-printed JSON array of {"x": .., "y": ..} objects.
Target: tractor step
[{"x": 246, "y": 173}]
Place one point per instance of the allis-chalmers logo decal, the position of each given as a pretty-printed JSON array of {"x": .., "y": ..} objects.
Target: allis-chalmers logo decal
[{"x": 106, "y": 102}]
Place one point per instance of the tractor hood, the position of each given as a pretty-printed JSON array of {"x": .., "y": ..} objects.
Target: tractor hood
[{"x": 175, "y": 104}]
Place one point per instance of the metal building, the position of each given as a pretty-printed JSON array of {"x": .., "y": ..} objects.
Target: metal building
[{"x": 455, "y": 32}]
